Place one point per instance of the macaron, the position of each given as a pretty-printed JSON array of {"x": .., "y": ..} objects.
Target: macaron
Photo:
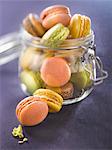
[
  {"x": 53, "y": 99},
  {"x": 80, "y": 26},
  {"x": 27, "y": 57},
  {"x": 81, "y": 75},
  {"x": 55, "y": 14},
  {"x": 55, "y": 36},
  {"x": 31, "y": 111},
  {"x": 33, "y": 25},
  {"x": 55, "y": 72},
  {"x": 65, "y": 91},
  {"x": 31, "y": 80},
  {"x": 79, "y": 79}
]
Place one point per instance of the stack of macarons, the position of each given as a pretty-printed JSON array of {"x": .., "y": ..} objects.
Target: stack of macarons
[
  {"x": 34, "y": 109},
  {"x": 56, "y": 24}
]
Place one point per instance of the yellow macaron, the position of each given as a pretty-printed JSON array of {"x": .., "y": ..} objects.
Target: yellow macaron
[
  {"x": 80, "y": 26},
  {"x": 53, "y": 99}
]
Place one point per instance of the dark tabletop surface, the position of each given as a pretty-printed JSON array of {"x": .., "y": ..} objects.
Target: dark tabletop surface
[{"x": 86, "y": 125}]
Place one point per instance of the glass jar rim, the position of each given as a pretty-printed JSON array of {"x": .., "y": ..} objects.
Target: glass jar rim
[{"x": 67, "y": 44}]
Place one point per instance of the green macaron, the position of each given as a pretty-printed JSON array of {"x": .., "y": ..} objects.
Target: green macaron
[
  {"x": 55, "y": 36},
  {"x": 31, "y": 80},
  {"x": 81, "y": 79}
]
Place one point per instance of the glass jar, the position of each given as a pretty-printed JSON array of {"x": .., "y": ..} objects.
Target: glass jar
[{"x": 79, "y": 56}]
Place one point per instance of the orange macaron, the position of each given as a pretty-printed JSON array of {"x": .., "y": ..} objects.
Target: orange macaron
[
  {"x": 31, "y": 111},
  {"x": 52, "y": 15},
  {"x": 55, "y": 72}
]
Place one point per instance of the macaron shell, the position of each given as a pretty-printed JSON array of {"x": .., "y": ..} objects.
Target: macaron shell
[
  {"x": 25, "y": 102},
  {"x": 75, "y": 25},
  {"x": 28, "y": 78},
  {"x": 87, "y": 26},
  {"x": 33, "y": 113},
  {"x": 81, "y": 26},
  {"x": 55, "y": 72},
  {"x": 22, "y": 104},
  {"x": 53, "y": 19},
  {"x": 79, "y": 22},
  {"x": 55, "y": 9}
]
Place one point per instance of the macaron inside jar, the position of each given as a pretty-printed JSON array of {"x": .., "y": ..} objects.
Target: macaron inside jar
[
  {"x": 65, "y": 91},
  {"x": 55, "y": 36},
  {"x": 55, "y": 72}
]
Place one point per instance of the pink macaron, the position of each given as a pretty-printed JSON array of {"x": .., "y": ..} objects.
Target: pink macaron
[
  {"x": 55, "y": 72},
  {"x": 52, "y": 15},
  {"x": 31, "y": 111}
]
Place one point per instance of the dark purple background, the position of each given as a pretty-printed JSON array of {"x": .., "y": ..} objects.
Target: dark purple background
[{"x": 86, "y": 125}]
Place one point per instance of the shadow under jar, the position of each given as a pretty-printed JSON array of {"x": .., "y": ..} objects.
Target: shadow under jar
[{"x": 79, "y": 55}]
